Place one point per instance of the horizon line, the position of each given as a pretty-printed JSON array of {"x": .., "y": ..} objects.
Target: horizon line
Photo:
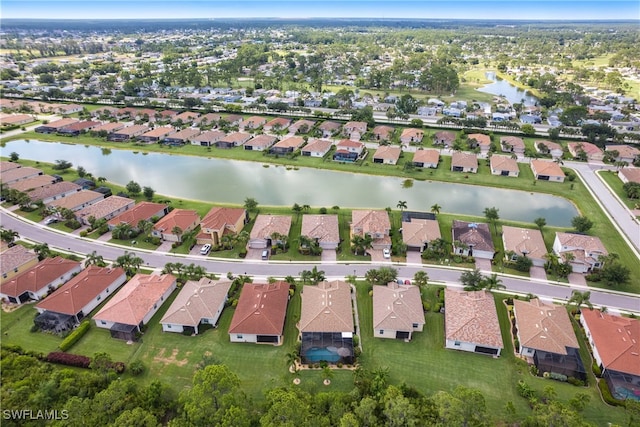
[{"x": 360, "y": 18}]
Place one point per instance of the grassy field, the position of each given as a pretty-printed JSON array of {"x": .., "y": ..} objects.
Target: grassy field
[{"x": 611, "y": 178}]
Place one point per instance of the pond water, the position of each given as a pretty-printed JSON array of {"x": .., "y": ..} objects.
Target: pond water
[
  {"x": 231, "y": 181},
  {"x": 503, "y": 88}
]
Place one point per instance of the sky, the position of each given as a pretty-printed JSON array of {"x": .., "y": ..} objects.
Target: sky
[{"x": 418, "y": 9}]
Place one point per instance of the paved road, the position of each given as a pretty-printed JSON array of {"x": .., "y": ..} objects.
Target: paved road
[{"x": 449, "y": 276}]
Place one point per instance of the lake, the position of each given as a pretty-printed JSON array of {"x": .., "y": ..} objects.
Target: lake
[
  {"x": 231, "y": 181},
  {"x": 503, "y": 88}
]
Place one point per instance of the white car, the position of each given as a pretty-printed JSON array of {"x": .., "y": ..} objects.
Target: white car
[
  {"x": 386, "y": 252},
  {"x": 205, "y": 249}
]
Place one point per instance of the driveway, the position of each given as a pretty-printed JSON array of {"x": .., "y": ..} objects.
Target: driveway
[
  {"x": 577, "y": 279},
  {"x": 483, "y": 264},
  {"x": 414, "y": 257},
  {"x": 538, "y": 273},
  {"x": 253, "y": 253},
  {"x": 328, "y": 255},
  {"x": 376, "y": 256},
  {"x": 164, "y": 246}
]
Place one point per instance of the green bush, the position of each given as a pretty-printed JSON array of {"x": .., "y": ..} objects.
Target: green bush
[
  {"x": 426, "y": 305},
  {"x": 74, "y": 336},
  {"x": 558, "y": 377},
  {"x": 356, "y": 340},
  {"x": 575, "y": 381},
  {"x": 136, "y": 368},
  {"x": 84, "y": 233},
  {"x": 437, "y": 307},
  {"x": 606, "y": 394},
  {"x": 596, "y": 369}
]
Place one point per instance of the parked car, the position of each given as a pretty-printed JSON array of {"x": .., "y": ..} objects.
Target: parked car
[
  {"x": 265, "y": 254},
  {"x": 204, "y": 250},
  {"x": 386, "y": 253},
  {"x": 50, "y": 220}
]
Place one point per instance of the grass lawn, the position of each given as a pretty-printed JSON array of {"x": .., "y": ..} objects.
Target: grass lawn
[{"x": 612, "y": 180}]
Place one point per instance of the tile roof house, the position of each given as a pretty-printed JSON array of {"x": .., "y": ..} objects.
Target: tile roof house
[
  {"x": 220, "y": 221},
  {"x": 472, "y": 239},
  {"x": 36, "y": 282},
  {"x": 127, "y": 133},
  {"x": 387, "y": 154},
  {"x": 287, "y": 145},
  {"x": 547, "y": 338},
  {"x": 55, "y": 125},
  {"x": 626, "y": 153},
  {"x": 545, "y": 170},
  {"x": 374, "y": 223},
  {"x": 317, "y": 148},
  {"x": 106, "y": 208},
  {"x": 471, "y": 322},
  {"x": 260, "y": 314},
  {"x": 74, "y": 300},
  {"x": 185, "y": 117},
  {"x": 49, "y": 193},
  {"x": 156, "y": 135},
  {"x": 32, "y": 183},
  {"x": 232, "y": 119},
  {"x": 418, "y": 233},
  {"x": 592, "y": 151},
  {"x": 135, "y": 304},
  {"x": 183, "y": 219},
  {"x": 234, "y": 139},
  {"x": 354, "y": 130},
  {"x": 411, "y": 136},
  {"x": 108, "y": 127},
  {"x": 348, "y": 150},
  {"x": 15, "y": 260},
  {"x": 323, "y": 228},
  {"x": 208, "y": 138},
  {"x": 426, "y": 158},
  {"x": 479, "y": 140},
  {"x": 504, "y": 166},
  {"x": 16, "y": 119},
  {"x": 181, "y": 137},
  {"x": 512, "y": 144},
  {"x": 75, "y": 129},
  {"x": 397, "y": 311},
  {"x": 524, "y": 242},
  {"x": 277, "y": 124},
  {"x": 7, "y": 166},
  {"x": 329, "y": 128},
  {"x": 19, "y": 174},
  {"x": 198, "y": 303},
  {"x": 260, "y": 143},
  {"x": 547, "y": 147},
  {"x": 208, "y": 119},
  {"x": 382, "y": 133},
  {"x": 326, "y": 322},
  {"x": 77, "y": 200},
  {"x": 302, "y": 126},
  {"x": 253, "y": 122},
  {"x": 265, "y": 226},
  {"x": 464, "y": 162},
  {"x": 444, "y": 137},
  {"x": 143, "y": 211},
  {"x": 629, "y": 175},
  {"x": 615, "y": 344},
  {"x": 586, "y": 251}
]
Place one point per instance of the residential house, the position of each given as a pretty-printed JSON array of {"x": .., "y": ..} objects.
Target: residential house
[
  {"x": 512, "y": 144},
  {"x": 175, "y": 224},
  {"x": 52, "y": 192},
  {"x": 32, "y": 183},
  {"x": 472, "y": 239},
  {"x": 36, "y": 282},
  {"x": 68, "y": 108},
  {"x": 591, "y": 151},
  {"x": 7, "y": 166},
  {"x": 260, "y": 313},
  {"x": 108, "y": 127},
  {"x": 326, "y": 323},
  {"x": 397, "y": 311},
  {"x": 387, "y": 154},
  {"x": 15, "y": 260},
  {"x": 18, "y": 174},
  {"x": 287, "y": 145},
  {"x": 264, "y": 229},
  {"x": 198, "y": 303},
  {"x": 348, "y": 151},
  {"x": 426, "y": 159},
  {"x": 252, "y": 123},
  {"x": 134, "y": 305},
  {"x": 234, "y": 139},
  {"x": 220, "y": 221},
  {"x": 531, "y": 119},
  {"x": 479, "y": 140},
  {"x": 464, "y": 162},
  {"x": 182, "y": 137},
  {"x": 302, "y": 126},
  {"x": 74, "y": 300},
  {"x": 329, "y": 128},
  {"x": 525, "y": 242},
  {"x": 547, "y": 339},
  {"x": 185, "y": 117},
  {"x": 548, "y": 147},
  {"x": 260, "y": 143},
  {"x": 374, "y": 223},
  {"x": 75, "y": 129},
  {"x": 232, "y": 119},
  {"x": 15, "y": 119},
  {"x": 55, "y": 125},
  {"x": 586, "y": 251},
  {"x": 629, "y": 175},
  {"x": 615, "y": 344},
  {"x": 166, "y": 114},
  {"x": 127, "y": 133},
  {"x": 418, "y": 233},
  {"x": 156, "y": 135},
  {"x": 106, "y": 208},
  {"x": 323, "y": 229},
  {"x": 317, "y": 148},
  {"x": 77, "y": 200},
  {"x": 143, "y": 211},
  {"x": 504, "y": 166},
  {"x": 208, "y": 138},
  {"x": 545, "y": 170},
  {"x": 626, "y": 153},
  {"x": 208, "y": 119},
  {"x": 354, "y": 130},
  {"x": 471, "y": 322},
  {"x": 411, "y": 136},
  {"x": 382, "y": 133},
  {"x": 444, "y": 137},
  {"x": 85, "y": 183},
  {"x": 277, "y": 124}
]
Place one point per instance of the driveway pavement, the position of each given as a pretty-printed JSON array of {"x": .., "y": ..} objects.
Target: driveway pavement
[
  {"x": 483, "y": 264},
  {"x": 328, "y": 255},
  {"x": 538, "y": 273},
  {"x": 414, "y": 257},
  {"x": 164, "y": 246},
  {"x": 376, "y": 255},
  {"x": 577, "y": 279},
  {"x": 253, "y": 253}
]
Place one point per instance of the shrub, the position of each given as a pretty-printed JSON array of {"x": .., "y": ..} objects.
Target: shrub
[
  {"x": 437, "y": 307},
  {"x": 606, "y": 394},
  {"x": 73, "y": 224},
  {"x": 516, "y": 344},
  {"x": 558, "y": 377},
  {"x": 575, "y": 381},
  {"x": 68, "y": 359},
  {"x": 339, "y": 365},
  {"x": 426, "y": 305},
  {"x": 596, "y": 369},
  {"x": 136, "y": 368},
  {"x": 84, "y": 233},
  {"x": 119, "y": 367},
  {"x": 356, "y": 340},
  {"x": 74, "y": 336},
  {"x": 534, "y": 370},
  {"x": 525, "y": 390}
]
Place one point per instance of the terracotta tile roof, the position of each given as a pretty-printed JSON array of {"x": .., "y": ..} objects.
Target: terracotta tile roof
[
  {"x": 587, "y": 147},
  {"x": 581, "y": 246},
  {"x": 253, "y": 122},
  {"x": 472, "y": 317},
  {"x": 105, "y": 207},
  {"x": 617, "y": 340},
  {"x": 109, "y": 127},
  {"x": 464, "y": 160},
  {"x": 632, "y": 174},
  {"x": 233, "y": 118},
  {"x": 291, "y": 142},
  {"x": 141, "y": 211},
  {"x": 261, "y": 309},
  {"x": 209, "y": 118},
  {"x": 624, "y": 150},
  {"x": 417, "y": 232},
  {"x": 136, "y": 299},
  {"x": 266, "y": 225},
  {"x": 264, "y": 141},
  {"x": 281, "y": 121},
  {"x": 326, "y": 307},
  {"x": 74, "y": 200},
  {"x": 7, "y": 166},
  {"x": 328, "y": 125},
  {"x": 15, "y": 118},
  {"x": 473, "y": 233},
  {"x": 504, "y": 163},
  {"x": 512, "y": 141},
  {"x": 483, "y": 140},
  {"x": 370, "y": 222},
  {"x": 524, "y": 241},
  {"x": 39, "y": 276},
  {"x": 58, "y": 124},
  {"x": 186, "y": 116},
  {"x": 322, "y": 227},
  {"x": 426, "y": 156},
  {"x": 412, "y": 133},
  {"x": 445, "y": 135},
  {"x": 17, "y": 174},
  {"x": 549, "y": 144},
  {"x": 182, "y": 218},
  {"x": 220, "y": 218},
  {"x": 74, "y": 295},
  {"x": 197, "y": 301},
  {"x": 32, "y": 183},
  {"x": 302, "y": 122},
  {"x": 237, "y": 138},
  {"x": 186, "y": 134},
  {"x": 357, "y": 126},
  {"x": 545, "y": 167},
  {"x": 159, "y": 132},
  {"x": 388, "y": 152},
  {"x": 81, "y": 125},
  {"x": 544, "y": 327},
  {"x": 53, "y": 190},
  {"x": 347, "y": 143},
  {"x": 15, "y": 257},
  {"x": 397, "y": 307},
  {"x": 383, "y": 131},
  {"x": 210, "y": 136},
  {"x": 133, "y": 130},
  {"x": 318, "y": 145}
]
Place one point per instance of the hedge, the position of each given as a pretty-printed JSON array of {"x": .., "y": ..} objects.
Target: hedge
[
  {"x": 69, "y": 359},
  {"x": 75, "y": 335},
  {"x": 606, "y": 394}
]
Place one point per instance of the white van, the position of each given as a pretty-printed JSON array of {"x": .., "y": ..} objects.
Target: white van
[{"x": 265, "y": 254}]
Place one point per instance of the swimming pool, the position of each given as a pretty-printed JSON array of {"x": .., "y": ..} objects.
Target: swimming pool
[{"x": 318, "y": 354}]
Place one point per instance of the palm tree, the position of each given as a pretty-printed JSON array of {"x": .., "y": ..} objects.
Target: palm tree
[
  {"x": 492, "y": 283},
  {"x": 8, "y": 235},
  {"x": 306, "y": 208},
  {"x": 129, "y": 262},
  {"x": 177, "y": 231},
  {"x": 540, "y": 222},
  {"x": 94, "y": 259},
  {"x": 317, "y": 275},
  {"x": 402, "y": 205},
  {"x": 305, "y": 276},
  {"x": 144, "y": 227},
  {"x": 292, "y": 358},
  {"x": 121, "y": 231},
  {"x": 579, "y": 299},
  {"x": 436, "y": 208},
  {"x": 296, "y": 208},
  {"x": 42, "y": 250},
  {"x": 421, "y": 278},
  {"x": 492, "y": 216}
]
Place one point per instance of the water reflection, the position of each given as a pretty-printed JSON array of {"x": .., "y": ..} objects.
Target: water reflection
[{"x": 504, "y": 88}]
